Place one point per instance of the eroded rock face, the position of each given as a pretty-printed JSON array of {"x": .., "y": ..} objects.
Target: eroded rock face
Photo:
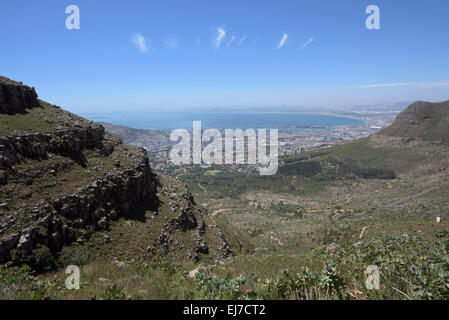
[
  {"x": 62, "y": 218},
  {"x": 16, "y": 98},
  {"x": 14, "y": 149},
  {"x": 8, "y": 244},
  {"x": 186, "y": 220},
  {"x": 62, "y": 184},
  {"x": 108, "y": 198},
  {"x": 88, "y": 210}
]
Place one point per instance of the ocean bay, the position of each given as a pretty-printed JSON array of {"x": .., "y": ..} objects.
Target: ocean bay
[{"x": 158, "y": 120}]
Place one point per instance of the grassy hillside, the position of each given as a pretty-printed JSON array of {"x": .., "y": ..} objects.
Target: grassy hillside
[
  {"x": 70, "y": 193},
  {"x": 376, "y": 199},
  {"x": 308, "y": 232},
  {"x": 422, "y": 120}
]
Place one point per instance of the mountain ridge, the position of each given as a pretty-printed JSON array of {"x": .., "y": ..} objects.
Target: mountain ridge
[
  {"x": 422, "y": 120},
  {"x": 63, "y": 179}
]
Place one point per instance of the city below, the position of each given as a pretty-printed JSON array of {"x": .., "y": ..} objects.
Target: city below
[{"x": 292, "y": 140}]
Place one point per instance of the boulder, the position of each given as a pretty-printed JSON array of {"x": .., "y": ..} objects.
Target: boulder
[
  {"x": 333, "y": 247},
  {"x": 194, "y": 272},
  {"x": 358, "y": 244}
]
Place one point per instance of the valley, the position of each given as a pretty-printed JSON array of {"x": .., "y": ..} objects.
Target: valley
[
  {"x": 74, "y": 194},
  {"x": 384, "y": 185}
]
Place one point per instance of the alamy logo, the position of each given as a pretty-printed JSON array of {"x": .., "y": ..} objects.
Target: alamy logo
[
  {"x": 373, "y": 20},
  {"x": 73, "y": 20},
  {"x": 207, "y": 147},
  {"x": 372, "y": 277},
  {"x": 73, "y": 281}
]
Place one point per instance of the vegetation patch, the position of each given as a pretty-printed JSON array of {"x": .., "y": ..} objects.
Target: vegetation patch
[{"x": 212, "y": 172}]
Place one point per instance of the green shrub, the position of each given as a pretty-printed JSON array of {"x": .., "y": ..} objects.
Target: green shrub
[
  {"x": 410, "y": 267},
  {"x": 115, "y": 292},
  {"x": 10, "y": 276},
  {"x": 43, "y": 259},
  {"x": 40, "y": 259},
  {"x": 303, "y": 169},
  {"x": 306, "y": 285},
  {"x": 75, "y": 254},
  {"x": 375, "y": 173},
  {"x": 164, "y": 265},
  {"x": 212, "y": 287}
]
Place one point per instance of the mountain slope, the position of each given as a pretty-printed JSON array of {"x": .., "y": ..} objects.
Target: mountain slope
[
  {"x": 63, "y": 179},
  {"x": 422, "y": 120},
  {"x": 418, "y": 137}
]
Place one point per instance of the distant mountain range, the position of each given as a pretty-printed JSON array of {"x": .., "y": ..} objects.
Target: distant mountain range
[{"x": 377, "y": 107}]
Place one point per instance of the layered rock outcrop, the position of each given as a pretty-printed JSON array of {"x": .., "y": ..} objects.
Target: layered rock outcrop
[
  {"x": 63, "y": 178},
  {"x": 28, "y": 217},
  {"x": 15, "y": 98},
  {"x": 74, "y": 217},
  {"x": 14, "y": 149}
]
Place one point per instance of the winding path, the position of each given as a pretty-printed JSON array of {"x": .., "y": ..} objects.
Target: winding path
[
  {"x": 214, "y": 214},
  {"x": 408, "y": 198},
  {"x": 395, "y": 203}
]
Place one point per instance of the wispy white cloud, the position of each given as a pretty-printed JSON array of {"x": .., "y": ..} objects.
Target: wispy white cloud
[
  {"x": 403, "y": 84},
  {"x": 311, "y": 39},
  {"x": 221, "y": 34},
  {"x": 282, "y": 42},
  {"x": 231, "y": 41},
  {"x": 170, "y": 42},
  {"x": 141, "y": 43},
  {"x": 242, "y": 39}
]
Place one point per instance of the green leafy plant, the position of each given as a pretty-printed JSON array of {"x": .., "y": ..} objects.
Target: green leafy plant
[
  {"x": 74, "y": 254},
  {"x": 210, "y": 286},
  {"x": 40, "y": 259},
  {"x": 165, "y": 265},
  {"x": 306, "y": 285},
  {"x": 115, "y": 292}
]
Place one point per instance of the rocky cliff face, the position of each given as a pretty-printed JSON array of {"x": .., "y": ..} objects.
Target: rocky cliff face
[
  {"x": 63, "y": 178},
  {"x": 37, "y": 145},
  {"x": 63, "y": 219},
  {"x": 15, "y": 98}
]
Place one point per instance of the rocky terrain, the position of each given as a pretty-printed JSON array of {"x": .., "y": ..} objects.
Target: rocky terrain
[
  {"x": 71, "y": 193},
  {"x": 15, "y": 98},
  {"x": 63, "y": 179}
]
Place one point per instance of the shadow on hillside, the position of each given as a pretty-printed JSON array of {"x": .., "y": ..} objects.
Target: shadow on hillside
[
  {"x": 6, "y": 109},
  {"x": 149, "y": 205}
]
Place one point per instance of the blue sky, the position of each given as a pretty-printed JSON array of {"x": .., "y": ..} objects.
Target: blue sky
[{"x": 226, "y": 53}]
